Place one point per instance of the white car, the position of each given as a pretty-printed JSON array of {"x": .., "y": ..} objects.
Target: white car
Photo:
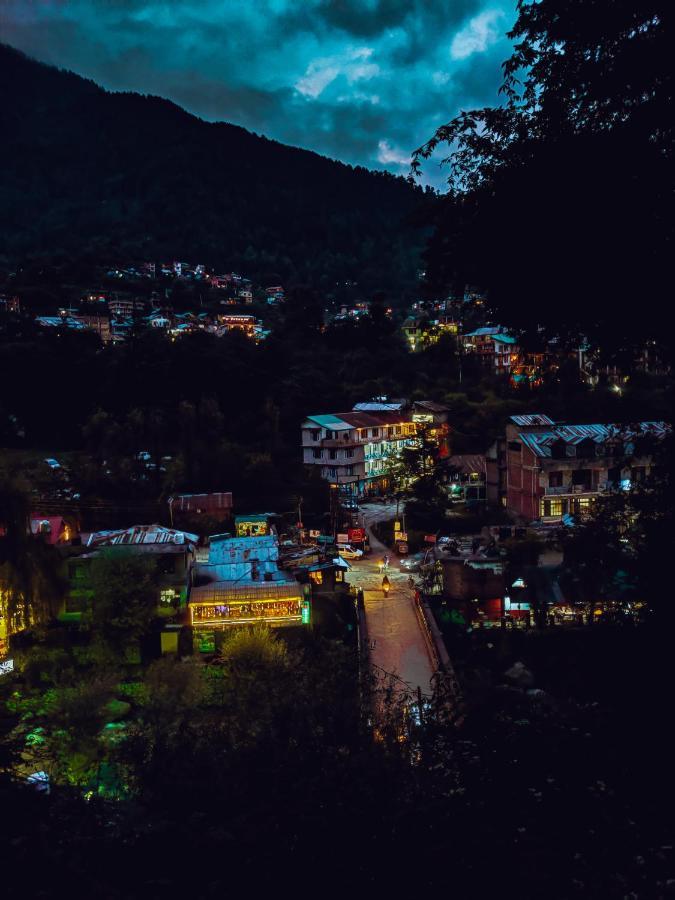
[{"x": 349, "y": 552}]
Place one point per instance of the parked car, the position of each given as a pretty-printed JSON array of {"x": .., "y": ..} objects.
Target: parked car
[
  {"x": 349, "y": 552},
  {"x": 414, "y": 562},
  {"x": 350, "y": 503}
]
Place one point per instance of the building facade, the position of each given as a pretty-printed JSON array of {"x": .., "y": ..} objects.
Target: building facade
[
  {"x": 352, "y": 449},
  {"x": 495, "y": 348},
  {"x": 555, "y": 470},
  {"x": 242, "y": 584}
]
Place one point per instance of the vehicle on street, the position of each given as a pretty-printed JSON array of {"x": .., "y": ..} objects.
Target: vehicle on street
[
  {"x": 349, "y": 552},
  {"x": 414, "y": 562},
  {"x": 53, "y": 464}
]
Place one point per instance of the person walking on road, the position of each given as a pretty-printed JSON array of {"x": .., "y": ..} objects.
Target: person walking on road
[{"x": 386, "y": 563}]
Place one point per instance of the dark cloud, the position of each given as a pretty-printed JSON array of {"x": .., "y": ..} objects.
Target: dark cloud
[{"x": 365, "y": 81}]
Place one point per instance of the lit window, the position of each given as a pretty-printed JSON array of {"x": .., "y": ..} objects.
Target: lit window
[
  {"x": 316, "y": 577},
  {"x": 339, "y": 575}
]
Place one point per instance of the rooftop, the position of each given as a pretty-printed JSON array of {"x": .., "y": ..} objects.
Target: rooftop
[
  {"x": 486, "y": 331},
  {"x": 540, "y": 442},
  {"x": 358, "y": 419},
  {"x": 431, "y": 405},
  {"x": 532, "y": 419},
  {"x": 140, "y": 534}
]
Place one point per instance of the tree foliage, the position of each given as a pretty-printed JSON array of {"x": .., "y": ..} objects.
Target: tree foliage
[
  {"x": 560, "y": 201},
  {"x": 125, "y": 597}
]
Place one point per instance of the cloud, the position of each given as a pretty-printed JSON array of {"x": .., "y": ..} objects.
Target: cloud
[
  {"x": 364, "y": 81},
  {"x": 386, "y": 154},
  {"x": 353, "y": 65},
  {"x": 480, "y": 33}
]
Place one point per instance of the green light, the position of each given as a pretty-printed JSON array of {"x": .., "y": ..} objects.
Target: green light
[{"x": 306, "y": 612}]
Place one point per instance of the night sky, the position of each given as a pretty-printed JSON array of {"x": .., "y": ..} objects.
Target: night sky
[{"x": 363, "y": 81}]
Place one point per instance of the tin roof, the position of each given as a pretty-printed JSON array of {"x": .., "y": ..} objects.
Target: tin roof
[
  {"x": 329, "y": 421},
  {"x": 467, "y": 463},
  {"x": 375, "y": 406},
  {"x": 140, "y": 534},
  {"x": 359, "y": 419},
  {"x": 431, "y": 405},
  {"x": 486, "y": 331},
  {"x": 532, "y": 419},
  {"x": 540, "y": 442}
]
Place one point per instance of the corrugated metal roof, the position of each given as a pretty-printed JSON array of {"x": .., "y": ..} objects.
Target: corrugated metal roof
[
  {"x": 329, "y": 421},
  {"x": 377, "y": 407},
  {"x": 141, "y": 534},
  {"x": 222, "y": 591},
  {"x": 540, "y": 442},
  {"x": 431, "y": 405},
  {"x": 373, "y": 419},
  {"x": 488, "y": 330},
  {"x": 532, "y": 419},
  {"x": 467, "y": 463}
]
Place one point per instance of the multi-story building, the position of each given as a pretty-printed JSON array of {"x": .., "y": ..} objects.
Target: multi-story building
[
  {"x": 274, "y": 294},
  {"x": 495, "y": 348},
  {"x": 242, "y": 584},
  {"x": 352, "y": 448},
  {"x": 421, "y": 331},
  {"x": 99, "y": 324},
  {"x": 172, "y": 552},
  {"x": 555, "y": 470},
  {"x": 122, "y": 306},
  {"x": 246, "y": 324}
]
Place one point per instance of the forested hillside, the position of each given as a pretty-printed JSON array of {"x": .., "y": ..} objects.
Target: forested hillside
[{"x": 90, "y": 173}]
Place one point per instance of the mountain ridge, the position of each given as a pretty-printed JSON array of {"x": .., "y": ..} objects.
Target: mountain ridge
[{"x": 90, "y": 171}]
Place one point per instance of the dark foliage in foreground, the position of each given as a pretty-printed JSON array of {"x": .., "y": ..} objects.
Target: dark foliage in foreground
[
  {"x": 561, "y": 201},
  {"x": 558, "y": 794}
]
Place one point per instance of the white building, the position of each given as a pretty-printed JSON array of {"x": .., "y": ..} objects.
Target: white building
[{"x": 352, "y": 449}]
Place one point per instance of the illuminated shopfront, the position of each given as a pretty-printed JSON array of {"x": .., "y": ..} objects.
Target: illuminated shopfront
[
  {"x": 220, "y": 605},
  {"x": 252, "y": 526},
  {"x": 242, "y": 613}
]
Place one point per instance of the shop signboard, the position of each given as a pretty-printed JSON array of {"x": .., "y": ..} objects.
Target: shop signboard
[
  {"x": 357, "y": 535},
  {"x": 314, "y": 533},
  {"x": 430, "y": 538},
  {"x": 402, "y": 548},
  {"x": 397, "y": 526},
  {"x": 342, "y": 538},
  {"x": 402, "y": 536}
]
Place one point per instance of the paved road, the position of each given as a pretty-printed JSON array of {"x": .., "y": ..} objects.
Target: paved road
[{"x": 396, "y": 640}]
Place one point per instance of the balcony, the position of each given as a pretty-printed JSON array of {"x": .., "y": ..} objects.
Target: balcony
[{"x": 568, "y": 490}]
